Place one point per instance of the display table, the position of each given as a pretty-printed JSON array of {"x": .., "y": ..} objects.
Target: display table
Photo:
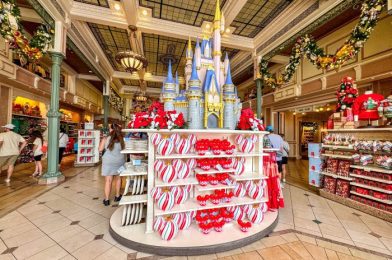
[{"x": 135, "y": 223}]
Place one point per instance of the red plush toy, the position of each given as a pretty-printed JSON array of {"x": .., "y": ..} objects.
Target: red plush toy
[{"x": 366, "y": 106}]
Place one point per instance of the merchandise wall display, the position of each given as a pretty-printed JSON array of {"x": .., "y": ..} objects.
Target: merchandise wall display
[
  {"x": 358, "y": 167},
  {"x": 193, "y": 183},
  {"x": 88, "y": 148}
]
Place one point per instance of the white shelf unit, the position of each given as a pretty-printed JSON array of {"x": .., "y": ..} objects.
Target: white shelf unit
[
  {"x": 369, "y": 187},
  {"x": 370, "y": 168},
  {"x": 88, "y": 147},
  {"x": 253, "y": 171},
  {"x": 388, "y": 202},
  {"x": 370, "y": 178},
  {"x": 338, "y": 147}
]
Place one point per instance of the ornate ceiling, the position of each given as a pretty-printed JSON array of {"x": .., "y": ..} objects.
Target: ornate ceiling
[
  {"x": 103, "y": 3},
  {"x": 192, "y": 12},
  {"x": 257, "y": 14}
]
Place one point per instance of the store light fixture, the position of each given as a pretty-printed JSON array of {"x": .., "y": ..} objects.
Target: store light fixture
[
  {"x": 131, "y": 60},
  {"x": 117, "y": 6},
  {"x": 228, "y": 30},
  {"x": 144, "y": 12},
  {"x": 294, "y": 113},
  {"x": 303, "y": 113},
  {"x": 208, "y": 26}
]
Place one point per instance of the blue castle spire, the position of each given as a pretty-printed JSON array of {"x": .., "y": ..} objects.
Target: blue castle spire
[
  {"x": 169, "y": 74},
  {"x": 197, "y": 43},
  {"x": 176, "y": 77},
  {"x": 194, "y": 75},
  {"x": 228, "y": 77},
  {"x": 227, "y": 56}
]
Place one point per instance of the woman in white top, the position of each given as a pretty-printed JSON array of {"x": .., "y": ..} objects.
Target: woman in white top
[
  {"x": 37, "y": 150},
  {"x": 63, "y": 141}
]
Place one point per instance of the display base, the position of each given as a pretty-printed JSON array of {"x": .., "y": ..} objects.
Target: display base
[
  {"x": 358, "y": 205},
  {"x": 52, "y": 180},
  {"x": 192, "y": 241}
]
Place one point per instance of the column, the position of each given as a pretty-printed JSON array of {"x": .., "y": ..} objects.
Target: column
[
  {"x": 106, "y": 94},
  {"x": 53, "y": 175},
  {"x": 259, "y": 96}
]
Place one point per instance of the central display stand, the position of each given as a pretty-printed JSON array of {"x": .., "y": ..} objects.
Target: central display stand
[{"x": 134, "y": 224}]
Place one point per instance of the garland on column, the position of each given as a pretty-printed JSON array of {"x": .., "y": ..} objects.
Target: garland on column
[
  {"x": 12, "y": 31},
  {"x": 307, "y": 46}
]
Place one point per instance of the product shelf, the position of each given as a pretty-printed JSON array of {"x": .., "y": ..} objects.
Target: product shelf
[
  {"x": 370, "y": 168},
  {"x": 215, "y": 187},
  {"x": 338, "y": 156},
  {"x": 133, "y": 199},
  {"x": 371, "y": 187},
  {"x": 192, "y": 205},
  {"x": 127, "y": 173},
  {"x": 207, "y": 155},
  {"x": 337, "y": 147},
  {"x": 336, "y": 176},
  {"x": 177, "y": 182},
  {"x": 388, "y": 202},
  {"x": 213, "y": 171},
  {"x": 370, "y": 178},
  {"x": 23, "y": 115}
]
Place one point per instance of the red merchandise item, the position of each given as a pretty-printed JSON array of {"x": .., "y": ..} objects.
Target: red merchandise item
[
  {"x": 366, "y": 105},
  {"x": 275, "y": 194}
]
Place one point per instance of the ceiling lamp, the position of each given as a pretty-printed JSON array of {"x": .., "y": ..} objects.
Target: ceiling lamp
[
  {"x": 131, "y": 60},
  {"x": 140, "y": 96}
]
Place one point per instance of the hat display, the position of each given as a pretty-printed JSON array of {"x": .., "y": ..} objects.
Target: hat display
[{"x": 9, "y": 126}]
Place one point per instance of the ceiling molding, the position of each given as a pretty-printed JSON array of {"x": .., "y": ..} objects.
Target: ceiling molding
[
  {"x": 126, "y": 89},
  {"x": 232, "y": 9},
  {"x": 30, "y": 15},
  {"x": 88, "y": 77},
  {"x": 281, "y": 59},
  {"x": 130, "y": 10}
]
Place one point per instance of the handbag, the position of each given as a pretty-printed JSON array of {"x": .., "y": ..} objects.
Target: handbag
[{"x": 44, "y": 147}]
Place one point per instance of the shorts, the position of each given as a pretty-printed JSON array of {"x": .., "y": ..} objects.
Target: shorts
[
  {"x": 8, "y": 160},
  {"x": 280, "y": 168},
  {"x": 284, "y": 160},
  {"x": 38, "y": 158}
]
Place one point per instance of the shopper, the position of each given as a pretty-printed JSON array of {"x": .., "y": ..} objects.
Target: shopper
[
  {"x": 63, "y": 142},
  {"x": 38, "y": 141},
  {"x": 285, "y": 157},
  {"x": 11, "y": 145},
  {"x": 112, "y": 160},
  {"x": 277, "y": 143}
]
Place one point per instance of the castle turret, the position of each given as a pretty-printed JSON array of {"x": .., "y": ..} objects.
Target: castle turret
[
  {"x": 198, "y": 54},
  {"x": 188, "y": 66},
  {"x": 169, "y": 90},
  {"x": 194, "y": 95},
  {"x": 229, "y": 99},
  {"x": 177, "y": 85},
  {"x": 207, "y": 50},
  {"x": 217, "y": 41},
  {"x": 226, "y": 64}
]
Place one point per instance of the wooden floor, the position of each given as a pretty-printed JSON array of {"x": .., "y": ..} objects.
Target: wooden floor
[
  {"x": 298, "y": 173},
  {"x": 24, "y": 188}
]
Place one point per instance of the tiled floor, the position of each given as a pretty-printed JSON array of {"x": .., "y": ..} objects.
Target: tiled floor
[{"x": 69, "y": 221}]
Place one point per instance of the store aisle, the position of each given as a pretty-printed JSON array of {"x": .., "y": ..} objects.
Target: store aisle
[
  {"x": 69, "y": 221},
  {"x": 298, "y": 173},
  {"x": 23, "y": 187}
]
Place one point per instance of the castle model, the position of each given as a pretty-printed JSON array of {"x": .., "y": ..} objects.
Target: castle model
[{"x": 210, "y": 99}]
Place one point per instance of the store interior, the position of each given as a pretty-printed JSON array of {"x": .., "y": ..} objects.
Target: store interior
[{"x": 198, "y": 93}]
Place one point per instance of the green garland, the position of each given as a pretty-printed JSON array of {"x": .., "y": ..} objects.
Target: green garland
[
  {"x": 12, "y": 31},
  {"x": 307, "y": 46}
]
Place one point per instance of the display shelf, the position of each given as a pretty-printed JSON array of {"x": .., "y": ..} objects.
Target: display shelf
[
  {"x": 87, "y": 154},
  {"x": 129, "y": 151},
  {"x": 209, "y": 155},
  {"x": 215, "y": 187},
  {"x": 133, "y": 199},
  {"x": 90, "y": 143},
  {"x": 213, "y": 171},
  {"x": 371, "y": 187},
  {"x": 177, "y": 182},
  {"x": 370, "y": 168},
  {"x": 370, "y": 178},
  {"x": 127, "y": 173},
  {"x": 192, "y": 205},
  {"x": 336, "y": 147},
  {"x": 248, "y": 177},
  {"x": 271, "y": 149},
  {"x": 336, "y": 176},
  {"x": 360, "y": 130},
  {"x": 338, "y": 156},
  {"x": 23, "y": 115},
  {"x": 388, "y": 202},
  {"x": 197, "y": 131}
]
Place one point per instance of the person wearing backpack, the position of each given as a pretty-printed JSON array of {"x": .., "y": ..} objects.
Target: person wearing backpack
[
  {"x": 277, "y": 143},
  {"x": 285, "y": 157},
  {"x": 38, "y": 141}
]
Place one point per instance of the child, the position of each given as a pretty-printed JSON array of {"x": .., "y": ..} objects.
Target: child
[{"x": 37, "y": 149}]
